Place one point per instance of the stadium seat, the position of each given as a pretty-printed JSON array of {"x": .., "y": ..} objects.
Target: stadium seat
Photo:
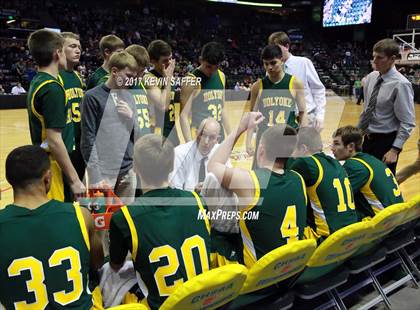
[
  {"x": 324, "y": 271},
  {"x": 208, "y": 290},
  {"x": 274, "y": 267},
  {"x": 129, "y": 307}
]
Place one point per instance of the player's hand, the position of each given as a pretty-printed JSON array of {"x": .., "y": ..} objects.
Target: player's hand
[
  {"x": 78, "y": 188},
  {"x": 101, "y": 185},
  {"x": 318, "y": 124},
  {"x": 250, "y": 150},
  {"x": 169, "y": 70},
  {"x": 390, "y": 157},
  {"x": 250, "y": 120},
  {"x": 124, "y": 110},
  {"x": 198, "y": 187}
]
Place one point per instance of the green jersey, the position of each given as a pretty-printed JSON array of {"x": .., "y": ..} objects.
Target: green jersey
[
  {"x": 280, "y": 221},
  {"x": 95, "y": 78},
  {"x": 73, "y": 86},
  {"x": 329, "y": 190},
  {"x": 168, "y": 241},
  {"x": 142, "y": 106},
  {"x": 164, "y": 121},
  {"x": 46, "y": 263},
  {"x": 48, "y": 109},
  {"x": 210, "y": 99},
  {"x": 373, "y": 183},
  {"x": 277, "y": 103}
]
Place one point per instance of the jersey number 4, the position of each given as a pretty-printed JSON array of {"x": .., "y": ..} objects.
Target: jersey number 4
[
  {"x": 169, "y": 254},
  {"x": 36, "y": 284}
]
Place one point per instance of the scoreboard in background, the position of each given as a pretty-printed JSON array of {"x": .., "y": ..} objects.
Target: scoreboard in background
[
  {"x": 413, "y": 21},
  {"x": 346, "y": 12}
]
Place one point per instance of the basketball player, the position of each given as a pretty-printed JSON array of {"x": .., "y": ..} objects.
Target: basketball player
[
  {"x": 373, "y": 183},
  {"x": 50, "y": 118},
  {"x": 258, "y": 190},
  {"x": 74, "y": 87},
  {"x": 107, "y": 46},
  {"x": 276, "y": 96},
  {"x": 160, "y": 90},
  {"x": 51, "y": 246},
  {"x": 204, "y": 95},
  {"x": 331, "y": 198},
  {"x": 168, "y": 244}
]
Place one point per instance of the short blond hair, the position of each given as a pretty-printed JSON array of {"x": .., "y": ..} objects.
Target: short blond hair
[
  {"x": 110, "y": 42},
  {"x": 70, "y": 35},
  {"x": 389, "y": 47},
  {"x": 154, "y": 158},
  {"x": 122, "y": 60},
  {"x": 279, "y": 37},
  {"x": 140, "y": 54}
]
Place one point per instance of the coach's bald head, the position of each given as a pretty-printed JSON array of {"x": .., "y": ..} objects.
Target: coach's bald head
[{"x": 208, "y": 135}]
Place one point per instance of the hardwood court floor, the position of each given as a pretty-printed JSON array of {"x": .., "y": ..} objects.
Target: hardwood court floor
[{"x": 14, "y": 132}]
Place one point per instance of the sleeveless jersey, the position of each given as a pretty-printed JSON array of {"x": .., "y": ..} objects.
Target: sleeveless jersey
[
  {"x": 96, "y": 78},
  {"x": 280, "y": 221},
  {"x": 46, "y": 264},
  {"x": 329, "y": 191},
  {"x": 142, "y": 106},
  {"x": 169, "y": 244},
  {"x": 373, "y": 183}
]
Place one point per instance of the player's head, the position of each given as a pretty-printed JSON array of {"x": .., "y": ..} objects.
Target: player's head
[
  {"x": 208, "y": 135},
  {"x": 281, "y": 39},
  {"x": 153, "y": 159},
  {"x": 141, "y": 56},
  {"x": 28, "y": 169},
  {"x": 160, "y": 54},
  {"x": 271, "y": 57},
  {"x": 110, "y": 44},
  {"x": 122, "y": 67},
  {"x": 347, "y": 141},
  {"x": 212, "y": 54},
  {"x": 276, "y": 145},
  {"x": 72, "y": 48},
  {"x": 309, "y": 141},
  {"x": 385, "y": 52},
  {"x": 46, "y": 47}
]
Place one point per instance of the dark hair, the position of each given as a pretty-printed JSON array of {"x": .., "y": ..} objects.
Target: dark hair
[
  {"x": 270, "y": 52},
  {"x": 350, "y": 134},
  {"x": 213, "y": 53},
  {"x": 42, "y": 45},
  {"x": 154, "y": 158},
  {"x": 310, "y": 137},
  {"x": 279, "y": 37},
  {"x": 277, "y": 148},
  {"x": 158, "y": 48},
  {"x": 26, "y": 165}
]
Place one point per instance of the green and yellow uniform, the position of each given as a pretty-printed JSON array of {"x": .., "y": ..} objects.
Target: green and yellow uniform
[
  {"x": 277, "y": 103},
  {"x": 96, "y": 77},
  {"x": 164, "y": 122},
  {"x": 74, "y": 87},
  {"x": 209, "y": 102},
  {"x": 329, "y": 192},
  {"x": 50, "y": 269},
  {"x": 48, "y": 109},
  {"x": 168, "y": 243},
  {"x": 373, "y": 183},
  {"x": 142, "y": 106},
  {"x": 281, "y": 220}
]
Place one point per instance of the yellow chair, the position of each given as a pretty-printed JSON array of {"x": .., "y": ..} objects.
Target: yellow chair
[
  {"x": 278, "y": 265},
  {"x": 208, "y": 290},
  {"x": 129, "y": 307},
  {"x": 324, "y": 271},
  {"x": 413, "y": 212}
]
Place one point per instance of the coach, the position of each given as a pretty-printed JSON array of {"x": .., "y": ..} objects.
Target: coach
[{"x": 388, "y": 115}]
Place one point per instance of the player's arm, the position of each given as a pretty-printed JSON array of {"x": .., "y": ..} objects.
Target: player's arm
[
  {"x": 225, "y": 119},
  {"x": 96, "y": 251},
  {"x": 255, "y": 90},
  {"x": 118, "y": 247},
  {"x": 186, "y": 98},
  {"x": 234, "y": 179},
  {"x": 358, "y": 174},
  {"x": 299, "y": 94}
]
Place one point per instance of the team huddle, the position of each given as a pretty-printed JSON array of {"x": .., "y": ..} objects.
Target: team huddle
[{"x": 128, "y": 129}]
